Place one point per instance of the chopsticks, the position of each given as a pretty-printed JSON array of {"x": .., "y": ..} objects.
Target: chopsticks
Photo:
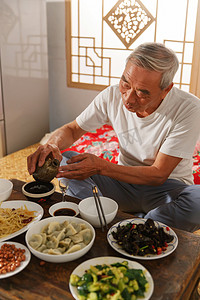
[{"x": 99, "y": 207}]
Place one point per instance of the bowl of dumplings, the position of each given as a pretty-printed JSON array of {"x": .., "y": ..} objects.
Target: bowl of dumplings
[{"x": 60, "y": 239}]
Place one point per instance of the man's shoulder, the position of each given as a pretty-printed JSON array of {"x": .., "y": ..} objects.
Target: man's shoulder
[
  {"x": 183, "y": 101},
  {"x": 180, "y": 94},
  {"x": 111, "y": 93},
  {"x": 113, "y": 89}
]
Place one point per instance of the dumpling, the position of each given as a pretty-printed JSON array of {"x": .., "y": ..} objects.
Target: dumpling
[
  {"x": 54, "y": 251},
  {"x": 36, "y": 241},
  {"x": 44, "y": 237},
  {"x": 45, "y": 251},
  {"x": 87, "y": 235},
  {"x": 64, "y": 224},
  {"x": 65, "y": 243},
  {"x": 61, "y": 249},
  {"x": 61, "y": 235},
  {"x": 45, "y": 228},
  {"x": 53, "y": 243},
  {"x": 82, "y": 245},
  {"x": 77, "y": 238},
  {"x": 42, "y": 248},
  {"x": 55, "y": 233},
  {"x": 70, "y": 230},
  {"x": 53, "y": 226},
  {"x": 83, "y": 226},
  {"x": 74, "y": 248},
  {"x": 77, "y": 226},
  {"x": 84, "y": 236}
]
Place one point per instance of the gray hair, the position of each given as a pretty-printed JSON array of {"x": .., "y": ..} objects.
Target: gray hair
[{"x": 157, "y": 57}]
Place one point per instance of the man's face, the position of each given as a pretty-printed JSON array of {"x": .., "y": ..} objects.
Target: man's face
[{"x": 140, "y": 90}]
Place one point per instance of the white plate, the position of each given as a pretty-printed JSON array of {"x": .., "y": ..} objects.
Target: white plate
[
  {"x": 32, "y": 206},
  {"x": 23, "y": 263},
  {"x": 113, "y": 243},
  {"x": 80, "y": 270}
]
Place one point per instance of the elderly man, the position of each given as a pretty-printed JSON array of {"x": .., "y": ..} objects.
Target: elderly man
[{"x": 157, "y": 126}]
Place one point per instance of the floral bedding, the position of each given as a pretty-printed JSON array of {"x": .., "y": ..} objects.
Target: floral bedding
[{"x": 104, "y": 143}]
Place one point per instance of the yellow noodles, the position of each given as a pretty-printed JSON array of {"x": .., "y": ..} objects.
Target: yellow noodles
[{"x": 14, "y": 219}]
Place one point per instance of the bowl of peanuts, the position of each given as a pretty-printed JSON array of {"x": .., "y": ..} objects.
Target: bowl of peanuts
[{"x": 14, "y": 258}]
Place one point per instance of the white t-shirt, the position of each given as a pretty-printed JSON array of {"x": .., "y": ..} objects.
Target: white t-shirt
[{"x": 173, "y": 129}]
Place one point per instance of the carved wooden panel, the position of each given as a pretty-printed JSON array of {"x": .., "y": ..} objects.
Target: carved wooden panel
[
  {"x": 128, "y": 19},
  {"x": 100, "y": 34}
]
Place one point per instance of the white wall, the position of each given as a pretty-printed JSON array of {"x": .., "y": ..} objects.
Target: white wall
[
  {"x": 23, "y": 42},
  {"x": 65, "y": 103}
]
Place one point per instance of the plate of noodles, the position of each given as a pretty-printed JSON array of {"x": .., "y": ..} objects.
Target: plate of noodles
[{"x": 17, "y": 216}]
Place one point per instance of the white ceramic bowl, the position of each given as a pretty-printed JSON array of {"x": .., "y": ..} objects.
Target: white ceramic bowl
[
  {"x": 6, "y": 187},
  {"x": 61, "y": 258},
  {"x": 88, "y": 211},
  {"x": 64, "y": 209}
]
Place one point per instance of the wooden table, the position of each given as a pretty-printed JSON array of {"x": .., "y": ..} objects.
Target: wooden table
[{"x": 175, "y": 276}]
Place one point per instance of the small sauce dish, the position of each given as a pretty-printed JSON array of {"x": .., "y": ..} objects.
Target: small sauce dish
[
  {"x": 36, "y": 190},
  {"x": 64, "y": 209}
]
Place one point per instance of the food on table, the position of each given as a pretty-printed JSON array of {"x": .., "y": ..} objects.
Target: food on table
[
  {"x": 48, "y": 171},
  {"x": 10, "y": 258},
  {"x": 142, "y": 239},
  {"x": 37, "y": 187},
  {"x": 61, "y": 238},
  {"x": 110, "y": 281},
  {"x": 14, "y": 219},
  {"x": 64, "y": 212}
]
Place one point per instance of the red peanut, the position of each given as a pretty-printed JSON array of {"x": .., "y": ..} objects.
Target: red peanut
[{"x": 10, "y": 258}]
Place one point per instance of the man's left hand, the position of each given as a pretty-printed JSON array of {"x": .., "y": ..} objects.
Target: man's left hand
[{"x": 81, "y": 166}]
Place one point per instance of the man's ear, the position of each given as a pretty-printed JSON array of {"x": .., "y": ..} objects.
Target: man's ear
[{"x": 167, "y": 89}]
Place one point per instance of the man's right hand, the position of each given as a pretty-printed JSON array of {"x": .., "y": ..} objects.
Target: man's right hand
[{"x": 40, "y": 155}]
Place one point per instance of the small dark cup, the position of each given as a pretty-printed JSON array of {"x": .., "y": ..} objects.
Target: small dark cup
[{"x": 36, "y": 190}]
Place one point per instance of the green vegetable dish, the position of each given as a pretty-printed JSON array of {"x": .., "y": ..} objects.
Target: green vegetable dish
[{"x": 115, "y": 281}]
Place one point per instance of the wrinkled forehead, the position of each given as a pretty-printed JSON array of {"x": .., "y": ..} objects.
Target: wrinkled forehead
[{"x": 135, "y": 73}]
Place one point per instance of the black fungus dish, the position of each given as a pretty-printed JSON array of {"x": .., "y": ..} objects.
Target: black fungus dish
[{"x": 142, "y": 239}]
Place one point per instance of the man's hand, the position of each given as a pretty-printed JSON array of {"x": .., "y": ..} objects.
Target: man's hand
[
  {"x": 40, "y": 155},
  {"x": 85, "y": 165},
  {"x": 81, "y": 166}
]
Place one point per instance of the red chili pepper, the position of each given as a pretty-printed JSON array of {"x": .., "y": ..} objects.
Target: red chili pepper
[
  {"x": 27, "y": 220},
  {"x": 159, "y": 250},
  {"x": 133, "y": 226},
  {"x": 167, "y": 228},
  {"x": 42, "y": 200}
]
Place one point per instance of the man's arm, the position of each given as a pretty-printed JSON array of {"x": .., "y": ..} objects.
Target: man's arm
[
  {"x": 155, "y": 174},
  {"x": 62, "y": 138},
  {"x": 84, "y": 165},
  {"x": 66, "y": 135}
]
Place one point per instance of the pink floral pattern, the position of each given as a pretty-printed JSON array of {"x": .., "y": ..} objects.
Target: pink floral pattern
[{"x": 196, "y": 167}]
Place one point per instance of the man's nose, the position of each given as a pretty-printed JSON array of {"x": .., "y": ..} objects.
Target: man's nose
[{"x": 130, "y": 95}]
